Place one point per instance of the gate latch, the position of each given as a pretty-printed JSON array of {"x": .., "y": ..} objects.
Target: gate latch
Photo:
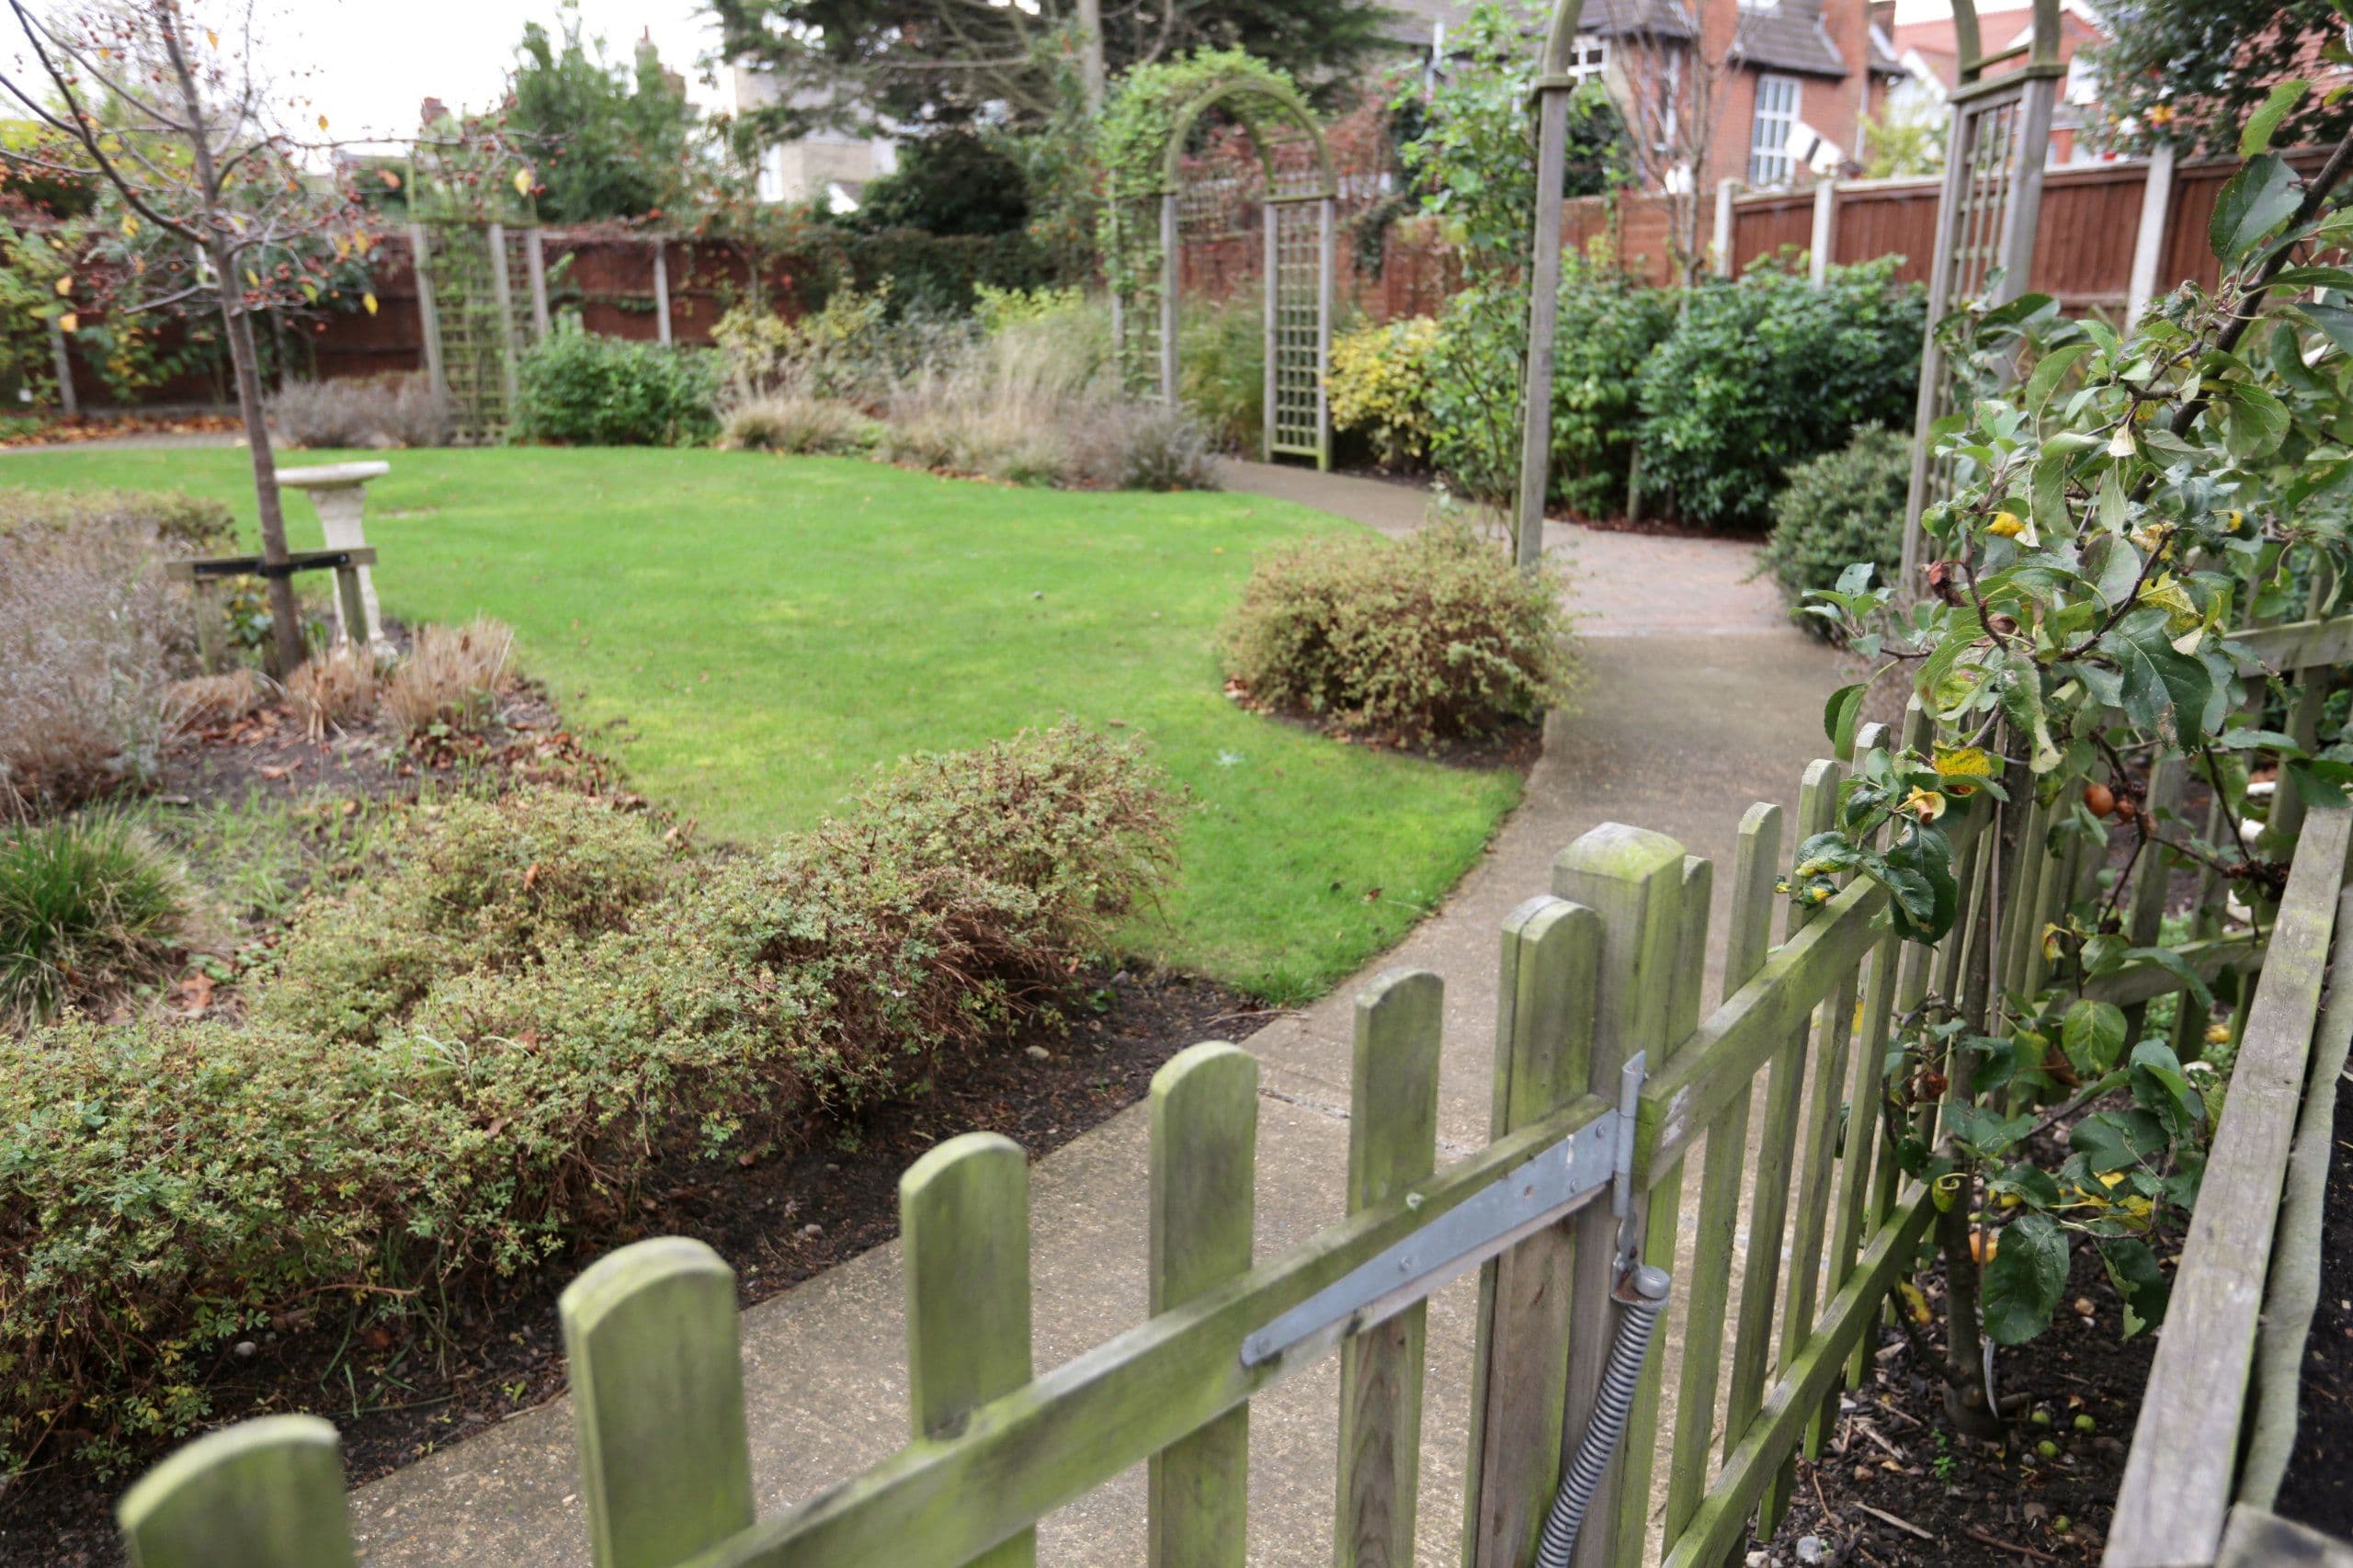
[{"x": 1548, "y": 1186}]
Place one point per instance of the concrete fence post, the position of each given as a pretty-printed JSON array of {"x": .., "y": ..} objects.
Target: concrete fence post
[
  {"x": 1825, "y": 228},
  {"x": 1725, "y": 190},
  {"x": 2149, "y": 243}
]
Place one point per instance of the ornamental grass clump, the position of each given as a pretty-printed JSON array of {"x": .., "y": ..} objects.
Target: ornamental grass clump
[
  {"x": 91, "y": 635},
  {"x": 1434, "y": 637},
  {"x": 89, "y": 907},
  {"x": 477, "y": 1062}
]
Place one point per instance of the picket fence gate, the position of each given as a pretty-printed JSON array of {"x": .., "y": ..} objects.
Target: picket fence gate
[{"x": 1604, "y": 970}]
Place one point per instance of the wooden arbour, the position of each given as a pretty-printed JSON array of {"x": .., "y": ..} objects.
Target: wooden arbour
[
  {"x": 1986, "y": 215},
  {"x": 1300, "y": 204}
]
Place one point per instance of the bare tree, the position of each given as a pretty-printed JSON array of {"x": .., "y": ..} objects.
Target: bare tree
[
  {"x": 140, "y": 98},
  {"x": 1670, "y": 79}
]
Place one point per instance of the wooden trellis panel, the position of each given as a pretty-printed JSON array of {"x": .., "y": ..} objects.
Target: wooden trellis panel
[{"x": 477, "y": 277}]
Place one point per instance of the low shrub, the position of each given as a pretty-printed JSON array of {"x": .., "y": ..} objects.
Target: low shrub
[
  {"x": 400, "y": 410},
  {"x": 1760, "y": 374},
  {"x": 486, "y": 885},
  {"x": 1132, "y": 445},
  {"x": 1436, "y": 636},
  {"x": 1379, "y": 383},
  {"x": 204, "y": 1182},
  {"x": 798, "y": 425},
  {"x": 89, "y": 905},
  {"x": 182, "y": 524},
  {"x": 1840, "y": 508},
  {"x": 91, "y": 635},
  {"x": 450, "y": 676},
  {"x": 577, "y": 389}
]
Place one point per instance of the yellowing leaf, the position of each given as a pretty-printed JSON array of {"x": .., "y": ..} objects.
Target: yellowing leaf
[
  {"x": 253, "y": 279},
  {"x": 522, "y": 182},
  {"x": 65, "y": 286},
  {"x": 1913, "y": 1302},
  {"x": 322, "y": 123},
  {"x": 68, "y": 321},
  {"x": 368, "y": 301},
  {"x": 212, "y": 38}
]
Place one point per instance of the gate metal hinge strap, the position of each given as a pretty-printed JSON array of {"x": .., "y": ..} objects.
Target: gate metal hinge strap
[{"x": 1548, "y": 1186}]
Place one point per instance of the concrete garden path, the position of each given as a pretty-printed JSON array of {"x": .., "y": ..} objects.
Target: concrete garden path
[{"x": 1700, "y": 698}]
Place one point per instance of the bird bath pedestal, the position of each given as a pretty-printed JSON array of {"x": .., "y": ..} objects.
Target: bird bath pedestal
[{"x": 339, "y": 492}]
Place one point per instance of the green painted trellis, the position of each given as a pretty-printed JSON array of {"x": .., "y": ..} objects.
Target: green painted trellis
[
  {"x": 1147, "y": 221},
  {"x": 1605, "y": 967}
]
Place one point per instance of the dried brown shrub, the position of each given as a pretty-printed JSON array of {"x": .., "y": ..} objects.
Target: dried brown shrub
[
  {"x": 334, "y": 689},
  {"x": 449, "y": 675},
  {"x": 208, "y": 702}
]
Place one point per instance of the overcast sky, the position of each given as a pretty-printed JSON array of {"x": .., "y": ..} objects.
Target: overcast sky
[{"x": 367, "y": 63}]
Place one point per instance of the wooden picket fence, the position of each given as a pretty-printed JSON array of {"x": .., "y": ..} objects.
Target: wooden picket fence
[{"x": 1605, "y": 967}]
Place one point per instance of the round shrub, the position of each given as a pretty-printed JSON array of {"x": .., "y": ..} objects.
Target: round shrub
[
  {"x": 89, "y": 907},
  {"x": 1436, "y": 636},
  {"x": 1840, "y": 508},
  {"x": 576, "y": 389},
  {"x": 1763, "y": 373}
]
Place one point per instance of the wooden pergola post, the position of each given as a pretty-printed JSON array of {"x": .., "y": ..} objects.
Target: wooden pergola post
[
  {"x": 2000, "y": 137},
  {"x": 1553, "y": 86}
]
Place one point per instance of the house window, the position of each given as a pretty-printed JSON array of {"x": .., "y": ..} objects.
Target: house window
[
  {"x": 1768, "y": 139},
  {"x": 1589, "y": 57}
]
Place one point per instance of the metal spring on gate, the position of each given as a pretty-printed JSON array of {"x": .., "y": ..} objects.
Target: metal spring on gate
[{"x": 1644, "y": 1302}]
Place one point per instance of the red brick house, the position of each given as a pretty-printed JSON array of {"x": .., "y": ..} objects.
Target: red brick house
[{"x": 1799, "y": 78}]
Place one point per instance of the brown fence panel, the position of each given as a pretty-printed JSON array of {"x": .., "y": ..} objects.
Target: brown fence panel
[
  {"x": 2083, "y": 252},
  {"x": 1888, "y": 218},
  {"x": 1762, "y": 226}
]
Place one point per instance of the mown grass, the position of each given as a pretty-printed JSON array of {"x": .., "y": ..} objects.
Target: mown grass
[{"x": 754, "y": 633}]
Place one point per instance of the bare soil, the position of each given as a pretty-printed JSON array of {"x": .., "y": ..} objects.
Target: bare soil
[
  {"x": 2318, "y": 1488},
  {"x": 1897, "y": 1488}
]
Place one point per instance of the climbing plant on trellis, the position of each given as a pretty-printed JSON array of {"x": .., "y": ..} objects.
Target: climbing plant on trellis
[{"x": 1150, "y": 205}]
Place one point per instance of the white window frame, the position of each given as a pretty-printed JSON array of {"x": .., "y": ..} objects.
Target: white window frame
[
  {"x": 1588, "y": 57},
  {"x": 1780, "y": 101}
]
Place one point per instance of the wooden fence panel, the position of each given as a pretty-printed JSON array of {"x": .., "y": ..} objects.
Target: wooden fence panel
[
  {"x": 964, "y": 1223},
  {"x": 2177, "y": 1489},
  {"x": 1204, "y": 1202},
  {"x": 1635, "y": 879},
  {"x": 657, "y": 1402},
  {"x": 1551, "y": 952},
  {"x": 1392, "y": 1144}
]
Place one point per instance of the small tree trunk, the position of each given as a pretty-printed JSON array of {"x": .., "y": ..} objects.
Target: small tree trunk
[
  {"x": 1969, "y": 1402},
  {"x": 285, "y": 622}
]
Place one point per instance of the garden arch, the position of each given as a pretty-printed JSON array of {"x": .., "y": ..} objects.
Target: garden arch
[{"x": 1152, "y": 200}]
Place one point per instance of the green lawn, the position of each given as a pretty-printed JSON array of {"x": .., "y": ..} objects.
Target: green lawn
[{"x": 767, "y": 629}]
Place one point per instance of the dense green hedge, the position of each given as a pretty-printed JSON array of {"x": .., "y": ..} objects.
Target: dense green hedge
[
  {"x": 1764, "y": 372},
  {"x": 486, "y": 1051},
  {"x": 937, "y": 273},
  {"x": 576, "y": 389}
]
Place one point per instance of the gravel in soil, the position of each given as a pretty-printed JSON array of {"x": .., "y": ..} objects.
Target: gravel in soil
[
  {"x": 397, "y": 1393},
  {"x": 1896, "y": 1487},
  {"x": 2318, "y": 1488}
]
